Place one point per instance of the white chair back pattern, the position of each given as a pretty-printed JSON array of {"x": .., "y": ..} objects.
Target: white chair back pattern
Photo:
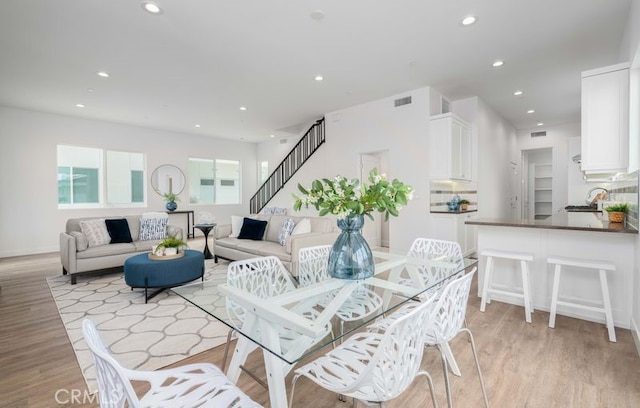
[
  {"x": 448, "y": 320},
  {"x": 313, "y": 264},
  {"x": 375, "y": 366},
  {"x": 263, "y": 277},
  {"x": 192, "y": 385},
  {"x": 449, "y": 312},
  {"x": 266, "y": 277},
  {"x": 314, "y": 268},
  {"x": 114, "y": 388},
  {"x": 435, "y": 259}
]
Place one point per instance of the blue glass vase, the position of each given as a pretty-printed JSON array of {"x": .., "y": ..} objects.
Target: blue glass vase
[
  {"x": 350, "y": 256},
  {"x": 171, "y": 205}
]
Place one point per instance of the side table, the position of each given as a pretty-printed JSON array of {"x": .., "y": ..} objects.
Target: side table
[{"x": 206, "y": 228}]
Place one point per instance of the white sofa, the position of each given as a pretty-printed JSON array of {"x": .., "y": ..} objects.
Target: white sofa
[
  {"x": 324, "y": 231},
  {"x": 75, "y": 262}
]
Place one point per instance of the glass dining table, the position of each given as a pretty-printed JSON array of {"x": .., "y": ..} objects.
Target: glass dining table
[{"x": 286, "y": 335}]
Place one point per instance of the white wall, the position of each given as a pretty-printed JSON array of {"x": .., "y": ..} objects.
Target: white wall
[
  {"x": 373, "y": 127},
  {"x": 630, "y": 51},
  {"x": 557, "y": 139},
  {"x": 403, "y": 132},
  {"x": 30, "y": 220},
  {"x": 495, "y": 147}
]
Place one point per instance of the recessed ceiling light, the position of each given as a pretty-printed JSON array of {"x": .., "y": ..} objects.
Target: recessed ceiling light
[
  {"x": 152, "y": 8},
  {"x": 197, "y": 126},
  {"x": 79, "y": 105},
  {"x": 540, "y": 124},
  {"x": 498, "y": 63},
  {"x": 319, "y": 78},
  {"x": 103, "y": 74},
  {"x": 518, "y": 93},
  {"x": 272, "y": 136},
  {"x": 243, "y": 108},
  {"x": 469, "y": 20},
  {"x": 90, "y": 89},
  {"x": 531, "y": 111}
]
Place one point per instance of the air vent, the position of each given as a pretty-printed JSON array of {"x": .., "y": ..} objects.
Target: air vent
[
  {"x": 283, "y": 141},
  {"x": 538, "y": 134},
  {"x": 402, "y": 101}
]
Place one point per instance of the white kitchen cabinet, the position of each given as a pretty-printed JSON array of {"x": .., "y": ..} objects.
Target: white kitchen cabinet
[
  {"x": 452, "y": 227},
  {"x": 605, "y": 119},
  {"x": 449, "y": 148}
]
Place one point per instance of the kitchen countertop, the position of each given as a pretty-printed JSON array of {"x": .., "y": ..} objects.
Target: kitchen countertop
[
  {"x": 578, "y": 221},
  {"x": 452, "y": 212}
]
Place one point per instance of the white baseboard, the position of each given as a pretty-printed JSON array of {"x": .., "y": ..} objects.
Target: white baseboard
[
  {"x": 635, "y": 333},
  {"x": 28, "y": 251},
  {"x": 569, "y": 312}
]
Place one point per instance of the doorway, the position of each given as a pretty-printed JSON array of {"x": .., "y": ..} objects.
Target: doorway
[
  {"x": 537, "y": 188},
  {"x": 376, "y": 232}
]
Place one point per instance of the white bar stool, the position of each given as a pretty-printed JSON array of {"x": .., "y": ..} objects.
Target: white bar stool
[
  {"x": 487, "y": 289},
  {"x": 602, "y": 267}
]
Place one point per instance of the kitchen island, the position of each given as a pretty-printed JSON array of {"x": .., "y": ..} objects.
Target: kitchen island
[{"x": 576, "y": 235}]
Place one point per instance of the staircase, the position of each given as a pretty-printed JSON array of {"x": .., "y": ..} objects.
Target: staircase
[{"x": 309, "y": 143}]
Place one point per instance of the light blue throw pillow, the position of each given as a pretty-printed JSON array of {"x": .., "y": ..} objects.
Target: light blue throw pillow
[
  {"x": 285, "y": 231},
  {"x": 153, "y": 228}
]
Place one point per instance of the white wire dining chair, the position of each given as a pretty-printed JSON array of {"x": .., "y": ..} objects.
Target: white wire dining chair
[
  {"x": 193, "y": 385},
  {"x": 375, "y": 366},
  {"x": 447, "y": 321},
  {"x": 313, "y": 268},
  {"x": 266, "y": 277},
  {"x": 434, "y": 260}
]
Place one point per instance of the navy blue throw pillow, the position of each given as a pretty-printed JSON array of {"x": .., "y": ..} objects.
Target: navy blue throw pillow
[
  {"x": 252, "y": 229},
  {"x": 118, "y": 231}
]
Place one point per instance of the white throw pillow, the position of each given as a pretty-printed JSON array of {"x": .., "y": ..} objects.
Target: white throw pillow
[
  {"x": 285, "y": 231},
  {"x": 236, "y": 226},
  {"x": 95, "y": 231},
  {"x": 81, "y": 240},
  {"x": 302, "y": 227}
]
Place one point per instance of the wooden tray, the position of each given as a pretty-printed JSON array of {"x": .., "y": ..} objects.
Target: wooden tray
[{"x": 166, "y": 257}]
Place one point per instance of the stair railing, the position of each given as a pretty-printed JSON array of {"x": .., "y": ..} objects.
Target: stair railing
[{"x": 298, "y": 155}]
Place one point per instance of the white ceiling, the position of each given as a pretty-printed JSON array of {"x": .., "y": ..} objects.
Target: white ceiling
[{"x": 201, "y": 60}]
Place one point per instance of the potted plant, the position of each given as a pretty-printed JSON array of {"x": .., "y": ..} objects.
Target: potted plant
[
  {"x": 464, "y": 203},
  {"x": 171, "y": 199},
  {"x": 616, "y": 212},
  {"x": 350, "y": 200},
  {"x": 169, "y": 246}
]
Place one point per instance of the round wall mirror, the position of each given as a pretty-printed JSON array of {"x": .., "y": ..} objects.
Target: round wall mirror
[{"x": 167, "y": 179}]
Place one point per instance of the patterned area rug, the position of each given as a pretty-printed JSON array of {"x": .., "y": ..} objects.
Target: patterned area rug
[{"x": 140, "y": 336}]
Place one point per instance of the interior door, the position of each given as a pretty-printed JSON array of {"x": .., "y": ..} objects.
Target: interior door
[
  {"x": 514, "y": 190},
  {"x": 372, "y": 230}
]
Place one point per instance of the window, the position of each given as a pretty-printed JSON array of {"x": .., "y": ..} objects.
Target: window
[
  {"x": 214, "y": 181},
  {"x": 263, "y": 169},
  {"x": 80, "y": 177}
]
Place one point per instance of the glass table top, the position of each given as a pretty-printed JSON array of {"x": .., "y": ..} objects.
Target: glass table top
[{"x": 309, "y": 318}]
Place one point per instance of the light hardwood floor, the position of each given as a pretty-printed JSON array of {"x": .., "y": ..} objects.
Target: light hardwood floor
[{"x": 524, "y": 365}]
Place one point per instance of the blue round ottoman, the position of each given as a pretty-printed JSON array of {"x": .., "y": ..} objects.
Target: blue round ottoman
[{"x": 142, "y": 272}]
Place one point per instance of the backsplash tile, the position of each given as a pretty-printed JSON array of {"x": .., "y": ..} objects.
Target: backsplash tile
[
  {"x": 443, "y": 191},
  {"x": 625, "y": 190}
]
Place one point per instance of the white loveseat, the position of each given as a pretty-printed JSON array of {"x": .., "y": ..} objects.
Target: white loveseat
[
  {"x": 324, "y": 231},
  {"x": 78, "y": 259}
]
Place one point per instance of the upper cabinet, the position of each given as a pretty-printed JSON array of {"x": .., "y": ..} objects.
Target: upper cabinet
[
  {"x": 605, "y": 119},
  {"x": 449, "y": 148}
]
